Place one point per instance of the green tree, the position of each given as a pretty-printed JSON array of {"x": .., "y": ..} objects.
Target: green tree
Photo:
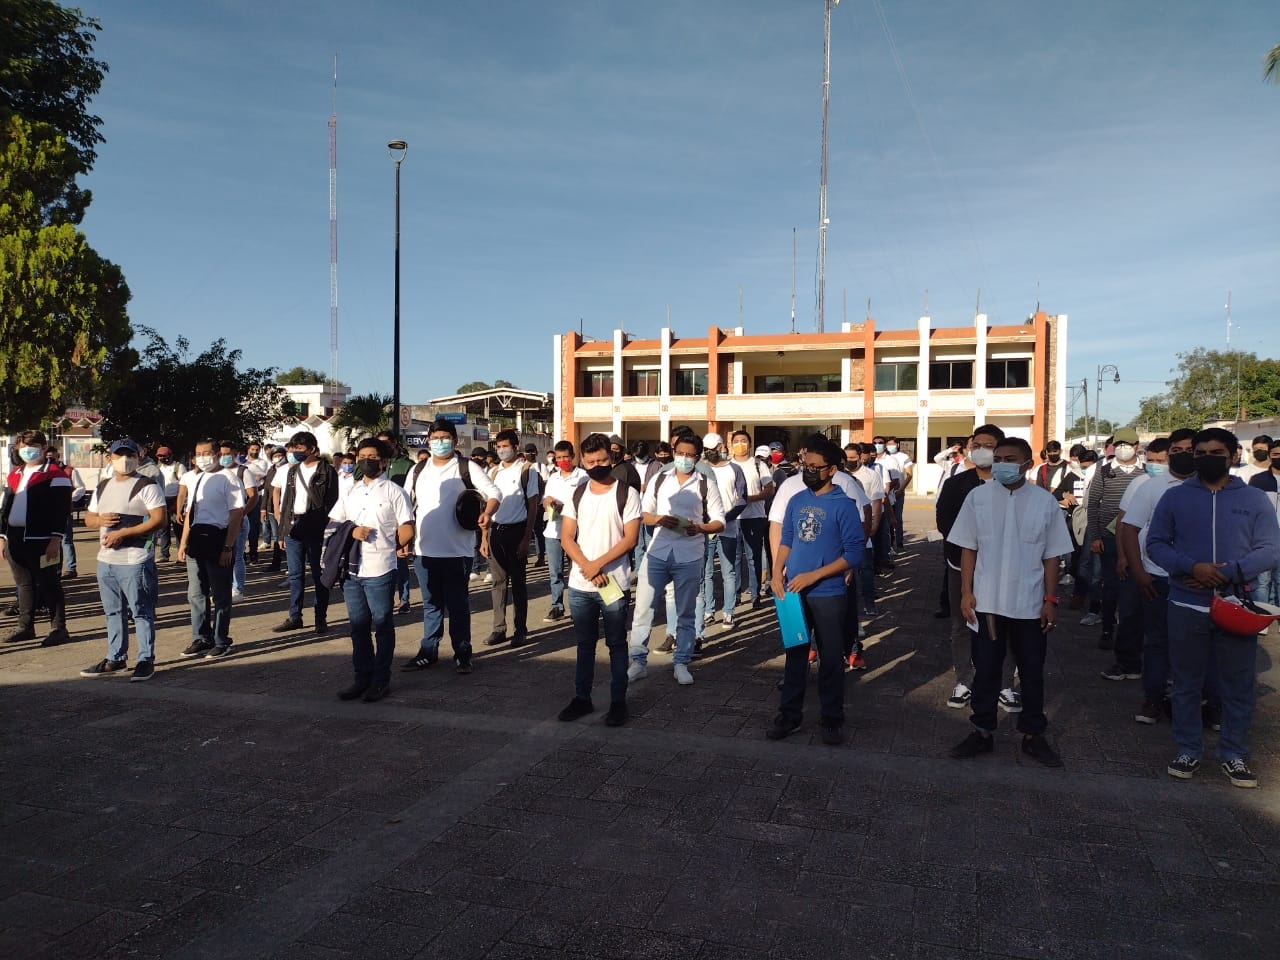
[
  {"x": 1214, "y": 385},
  {"x": 1087, "y": 428},
  {"x": 1271, "y": 65},
  {"x": 475, "y": 386},
  {"x": 64, "y": 327},
  {"x": 297, "y": 376},
  {"x": 362, "y": 415},
  {"x": 176, "y": 398}
]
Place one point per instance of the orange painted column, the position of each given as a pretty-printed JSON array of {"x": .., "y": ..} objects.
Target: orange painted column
[
  {"x": 1040, "y": 363},
  {"x": 713, "y": 375},
  {"x": 868, "y": 380}
]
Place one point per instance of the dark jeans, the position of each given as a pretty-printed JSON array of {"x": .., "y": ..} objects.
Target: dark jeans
[
  {"x": 209, "y": 594},
  {"x": 400, "y": 580},
  {"x": 29, "y": 577},
  {"x": 587, "y": 610},
  {"x": 1028, "y": 643},
  {"x": 509, "y": 565},
  {"x": 1121, "y": 597},
  {"x": 1194, "y": 645},
  {"x": 255, "y": 534},
  {"x": 302, "y": 554},
  {"x": 897, "y": 517},
  {"x": 826, "y": 616},
  {"x": 369, "y": 609},
  {"x": 754, "y": 532},
  {"x": 539, "y": 533},
  {"x": 851, "y": 642},
  {"x": 1155, "y": 641},
  {"x": 443, "y": 583}
]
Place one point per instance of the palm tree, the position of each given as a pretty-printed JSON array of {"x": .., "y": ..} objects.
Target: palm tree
[
  {"x": 1271, "y": 65},
  {"x": 361, "y": 415}
]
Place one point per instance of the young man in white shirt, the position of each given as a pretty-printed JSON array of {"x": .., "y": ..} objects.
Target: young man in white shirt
[
  {"x": 873, "y": 485},
  {"x": 897, "y": 460},
  {"x": 682, "y": 506},
  {"x": 303, "y": 493},
  {"x": 752, "y": 521},
  {"x": 560, "y": 483},
  {"x": 383, "y": 519},
  {"x": 214, "y": 507},
  {"x": 443, "y": 546},
  {"x": 229, "y": 458},
  {"x": 507, "y": 543},
  {"x": 128, "y": 510},
  {"x": 732, "y": 482},
  {"x": 1011, "y": 535},
  {"x": 171, "y": 473},
  {"x": 600, "y": 526}
]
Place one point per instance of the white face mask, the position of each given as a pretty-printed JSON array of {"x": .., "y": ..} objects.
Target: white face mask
[
  {"x": 1125, "y": 451},
  {"x": 124, "y": 465},
  {"x": 205, "y": 463},
  {"x": 506, "y": 454},
  {"x": 982, "y": 457}
]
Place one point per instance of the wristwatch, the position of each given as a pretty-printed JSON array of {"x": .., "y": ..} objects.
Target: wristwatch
[
  {"x": 1053, "y": 600},
  {"x": 227, "y": 549}
]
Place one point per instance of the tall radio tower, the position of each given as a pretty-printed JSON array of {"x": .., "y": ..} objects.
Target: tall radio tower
[
  {"x": 333, "y": 229},
  {"x": 822, "y": 186}
]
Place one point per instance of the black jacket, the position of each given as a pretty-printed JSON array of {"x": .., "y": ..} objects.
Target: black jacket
[
  {"x": 322, "y": 494},
  {"x": 950, "y": 500},
  {"x": 48, "y": 501}
]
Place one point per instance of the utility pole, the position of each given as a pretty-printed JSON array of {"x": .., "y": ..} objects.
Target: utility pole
[{"x": 822, "y": 186}]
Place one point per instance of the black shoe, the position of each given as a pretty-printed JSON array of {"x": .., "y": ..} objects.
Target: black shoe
[
  {"x": 971, "y": 746},
  {"x": 554, "y": 615},
  {"x": 198, "y": 648},
  {"x": 56, "y": 636},
  {"x": 495, "y": 639},
  {"x": 423, "y": 660},
  {"x": 781, "y": 727},
  {"x": 288, "y": 625},
  {"x": 12, "y": 609},
  {"x": 540, "y": 562},
  {"x": 617, "y": 715},
  {"x": 20, "y": 636},
  {"x": 520, "y": 638},
  {"x": 667, "y": 645},
  {"x": 1106, "y": 642},
  {"x": 832, "y": 733},
  {"x": 1238, "y": 772},
  {"x": 1183, "y": 766},
  {"x": 697, "y": 650},
  {"x": 1037, "y": 748},
  {"x": 463, "y": 664},
  {"x": 104, "y": 668},
  {"x": 322, "y": 626},
  {"x": 577, "y": 708},
  {"x": 353, "y": 692},
  {"x": 1150, "y": 712},
  {"x": 403, "y": 608},
  {"x": 376, "y": 692},
  {"x": 143, "y": 670},
  {"x": 69, "y": 575},
  {"x": 219, "y": 651}
]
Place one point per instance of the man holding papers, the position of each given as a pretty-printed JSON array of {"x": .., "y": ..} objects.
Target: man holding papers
[
  {"x": 821, "y": 543},
  {"x": 599, "y": 528}
]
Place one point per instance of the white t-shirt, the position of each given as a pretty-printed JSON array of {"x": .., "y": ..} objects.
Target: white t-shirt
[
  {"x": 305, "y": 473},
  {"x": 1014, "y": 532},
  {"x": 560, "y": 487},
  {"x": 758, "y": 477},
  {"x": 383, "y": 506},
  {"x": 793, "y": 485},
  {"x": 727, "y": 481},
  {"x": 515, "y": 485},
  {"x": 1138, "y": 503},
  {"x": 115, "y": 499},
  {"x": 171, "y": 473},
  {"x": 872, "y": 485},
  {"x": 1248, "y": 470},
  {"x": 345, "y": 482},
  {"x": 434, "y": 494},
  {"x": 676, "y": 499},
  {"x": 599, "y": 530},
  {"x": 212, "y": 496}
]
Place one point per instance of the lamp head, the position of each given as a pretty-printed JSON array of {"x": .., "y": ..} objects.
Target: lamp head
[{"x": 397, "y": 146}]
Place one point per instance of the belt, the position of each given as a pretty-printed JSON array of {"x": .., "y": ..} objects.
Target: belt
[{"x": 509, "y": 526}]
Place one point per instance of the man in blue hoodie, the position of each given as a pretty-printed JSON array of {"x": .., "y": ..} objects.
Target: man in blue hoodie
[{"x": 1209, "y": 532}]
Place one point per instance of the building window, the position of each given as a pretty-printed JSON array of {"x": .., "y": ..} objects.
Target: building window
[
  {"x": 597, "y": 383},
  {"x": 799, "y": 383},
  {"x": 642, "y": 383},
  {"x": 689, "y": 383},
  {"x": 1014, "y": 374},
  {"x": 892, "y": 377},
  {"x": 951, "y": 375},
  {"x": 301, "y": 410}
]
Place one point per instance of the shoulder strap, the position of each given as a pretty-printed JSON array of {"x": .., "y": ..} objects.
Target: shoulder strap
[
  {"x": 191, "y": 504},
  {"x": 620, "y": 490},
  {"x": 464, "y": 471},
  {"x": 524, "y": 478},
  {"x": 101, "y": 487},
  {"x": 578, "y": 491},
  {"x": 138, "y": 486}
]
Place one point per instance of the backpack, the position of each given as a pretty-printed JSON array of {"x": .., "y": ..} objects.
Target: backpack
[
  {"x": 464, "y": 474},
  {"x": 620, "y": 489},
  {"x": 702, "y": 489},
  {"x": 140, "y": 484}
]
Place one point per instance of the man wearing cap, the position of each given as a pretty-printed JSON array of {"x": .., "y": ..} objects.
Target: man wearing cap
[
  {"x": 128, "y": 510},
  {"x": 171, "y": 474},
  {"x": 1118, "y": 596}
]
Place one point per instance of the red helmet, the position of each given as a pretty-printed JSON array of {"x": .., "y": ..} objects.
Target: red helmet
[{"x": 1244, "y": 618}]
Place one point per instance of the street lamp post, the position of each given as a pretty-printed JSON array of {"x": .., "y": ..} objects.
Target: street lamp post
[
  {"x": 397, "y": 149},
  {"x": 1097, "y": 397}
]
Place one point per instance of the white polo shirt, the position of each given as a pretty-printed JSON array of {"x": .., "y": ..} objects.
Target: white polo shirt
[
  {"x": 561, "y": 487},
  {"x": 516, "y": 485},
  {"x": 212, "y": 496},
  {"x": 434, "y": 494},
  {"x": 1138, "y": 503},
  {"x": 676, "y": 499},
  {"x": 758, "y": 477},
  {"x": 727, "y": 480},
  {"x": 382, "y": 505},
  {"x": 599, "y": 530}
]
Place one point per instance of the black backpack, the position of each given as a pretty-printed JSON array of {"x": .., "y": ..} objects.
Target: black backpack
[
  {"x": 702, "y": 489},
  {"x": 620, "y": 489}
]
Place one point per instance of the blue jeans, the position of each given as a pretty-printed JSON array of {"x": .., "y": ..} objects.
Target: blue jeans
[
  {"x": 726, "y": 548},
  {"x": 555, "y": 569},
  {"x": 209, "y": 595},
  {"x": 685, "y": 577},
  {"x": 238, "y": 570},
  {"x": 642, "y": 544},
  {"x": 1269, "y": 587},
  {"x": 300, "y": 554},
  {"x": 1155, "y": 641},
  {"x": 400, "y": 580},
  {"x": 1194, "y": 643},
  {"x": 369, "y": 610},
  {"x": 443, "y": 582},
  {"x": 68, "y": 548},
  {"x": 1121, "y": 597},
  {"x": 897, "y": 517},
  {"x": 586, "y": 610},
  {"x": 752, "y": 568},
  {"x": 134, "y": 584}
]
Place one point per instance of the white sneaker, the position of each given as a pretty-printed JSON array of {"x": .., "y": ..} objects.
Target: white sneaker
[
  {"x": 960, "y": 697},
  {"x": 1090, "y": 620},
  {"x": 474, "y": 576},
  {"x": 707, "y": 618},
  {"x": 683, "y": 676},
  {"x": 488, "y": 577},
  {"x": 637, "y": 671},
  {"x": 1010, "y": 700},
  {"x": 728, "y": 621}
]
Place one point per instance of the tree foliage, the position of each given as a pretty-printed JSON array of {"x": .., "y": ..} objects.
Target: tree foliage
[
  {"x": 176, "y": 398},
  {"x": 1271, "y": 65},
  {"x": 303, "y": 376},
  {"x": 64, "y": 327},
  {"x": 1089, "y": 427},
  {"x": 362, "y": 415},
  {"x": 1207, "y": 385},
  {"x": 475, "y": 386}
]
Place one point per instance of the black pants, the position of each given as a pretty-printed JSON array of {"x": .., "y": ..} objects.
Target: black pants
[
  {"x": 29, "y": 577},
  {"x": 539, "y": 533},
  {"x": 255, "y": 534},
  {"x": 1028, "y": 643},
  {"x": 826, "y": 616},
  {"x": 508, "y": 562}
]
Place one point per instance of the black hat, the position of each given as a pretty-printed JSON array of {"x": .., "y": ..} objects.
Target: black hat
[{"x": 467, "y": 509}]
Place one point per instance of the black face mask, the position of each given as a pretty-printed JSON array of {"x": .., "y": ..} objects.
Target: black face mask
[
  {"x": 1275, "y": 463},
  {"x": 600, "y": 473},
  {"x": 712, "y": 456},
  {"x": 813, "y": 479},
  {"x": 1055, "y": 457},
  {"x": 1211, "y": 469},
  {"x": 1261, "y": 455},
  {"x": 370, "y": 468},
  {"x": 1183, "y": 463}
]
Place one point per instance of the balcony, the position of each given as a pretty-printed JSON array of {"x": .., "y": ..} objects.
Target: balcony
[{"x": 764, "y": 407}]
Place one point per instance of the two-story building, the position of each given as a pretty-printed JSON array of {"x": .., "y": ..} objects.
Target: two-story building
[{"x": 928, "y": 386}]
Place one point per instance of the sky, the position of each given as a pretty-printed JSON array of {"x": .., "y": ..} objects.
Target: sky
[{"x": 590, "y": 164}]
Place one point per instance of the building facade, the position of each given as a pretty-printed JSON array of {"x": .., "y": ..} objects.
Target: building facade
[{"x": 929, "y": 386}]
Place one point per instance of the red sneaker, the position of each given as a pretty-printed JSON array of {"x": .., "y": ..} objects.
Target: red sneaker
[
  {"x": 813, "y": 654},
  {"x": 856, "y": 662}
]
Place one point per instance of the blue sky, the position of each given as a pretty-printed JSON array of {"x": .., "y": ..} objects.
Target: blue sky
[{"x": 602, "y": 160}]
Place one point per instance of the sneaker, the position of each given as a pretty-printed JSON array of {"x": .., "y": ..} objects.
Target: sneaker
[
  {"x": 104, "y": 668},
  {"x": 1239, "y": 774},
  {"x": 1010, "y": 700},
  {"x": 697, "y": 649},
  {"x": 637, "y": 671},
  {"x": 219, "y": 651},
  {"x": 960, "y": 697},
  {"x": 555, "y": 615},
  {"x": 728, "y": 621},
  {"x": 20, "y": 636},
  {"x": 1184, "y": 766},
  {"x": 288, "y": 625},
  {"x": 578, "y": 707},
  {"x": 1149, "y": 712},
  {"x": 869, "y": 610},
  {"x": 667, "y": 645},
  {"x": 1211, "y": 716},
  {"x": 404, "y": 607},
  {"x": 495, "y": 639},
  {"x": 617, "y": 715},
  {"x": 971, "y": 746},
  {"x": 143, "y": 670},
  {"x": 1090, "y": 620},
  {"x": 781, "y": 728},
  {"x": 1117, "y": 672},
  {"x": 322, "y": 627},
  {"x": 488, "y": 577},
  {"x": 856, "y": 662},
  {"x": 832, "y": 733},
  {"x": 520, "y": 638},
  {"x": 376, "y": 692},
  {"x": 423, "y": 659},
  {"x": 462, "y": 665},
  {"x": 708, "y": 618},
  {"x": 198, "y": 648},
  {"x": 237, "y": 594},
  {"x": 69, "y": 575},
  {"x": 1037, "y": 748},
  {"x": 56, "y": 636},
  {"x": 473, "y": 576},
  {"x": 813, "y": 654},
  {"x": 682, "y": 674},
  {"x": 353, "y": 692}
]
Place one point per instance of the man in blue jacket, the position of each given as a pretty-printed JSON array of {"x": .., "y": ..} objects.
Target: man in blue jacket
[{"x": 1211, "y": 531}]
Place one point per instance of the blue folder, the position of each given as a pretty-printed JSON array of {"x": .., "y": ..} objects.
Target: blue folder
[{"x": 791, "y": 619}]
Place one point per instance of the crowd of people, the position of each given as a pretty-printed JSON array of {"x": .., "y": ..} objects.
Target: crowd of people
[{"x": 1151, "y": 541}]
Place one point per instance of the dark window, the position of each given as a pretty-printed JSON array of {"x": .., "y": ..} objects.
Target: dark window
[
  {"x": 642, "y": 383},
  {"x": 302, "y": 410},
  {"x": 597, "y": 383},
  {"x": 689, "y": 383},
  {"x": 892, "y": 377},
  {"x": 1015, "y": 374},
  {"x": 951, "y": 375},
  {"x": 800, "y": 383}
]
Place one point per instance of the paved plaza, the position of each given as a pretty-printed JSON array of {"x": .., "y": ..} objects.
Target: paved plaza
[{"x": 237, "y": 809}]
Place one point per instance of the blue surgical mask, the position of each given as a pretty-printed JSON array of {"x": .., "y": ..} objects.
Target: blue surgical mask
[
  {"x": 226, "y": 460},
  {"x": 440, "y": 448},
  {"x": 879, "y": 448},
  {"x": 348, "y": 468},
  {"x": 684, "y": 464},
  {"x": 29, "y": 454},
  {"x": 293, "y": 457},
  {"x": 1157, "y": 469},
  {"x": 1006, "y": 473}
]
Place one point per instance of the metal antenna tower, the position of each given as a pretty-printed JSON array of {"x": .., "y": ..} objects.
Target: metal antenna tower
[
  {"x": 333, "y": 229},
  {"x": 822, "y": 187}
]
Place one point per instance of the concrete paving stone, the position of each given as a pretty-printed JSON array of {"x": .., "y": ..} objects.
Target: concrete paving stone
[
  {"x": 91, "y": 939},
  {"x": 917, "y": 874},
  {"x": 312, "y": 951},
  {"x": 1009, "y": 941},
  {"x": 596, "y": 938},
  {"x": 341, "y": 931},
  {"x": 193, "y": 918},
  {"x": 538, "y": 931},
  {"x": 729, "y": 951},
  {"x": 934, "y": 951},
  {"x": 45, "y": 914},
  {"x": 395, "y": 941},
  {"x": 472, "y": 933}
]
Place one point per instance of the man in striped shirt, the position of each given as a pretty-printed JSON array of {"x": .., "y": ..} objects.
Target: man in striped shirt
[{"x": 1108, "y": 486}]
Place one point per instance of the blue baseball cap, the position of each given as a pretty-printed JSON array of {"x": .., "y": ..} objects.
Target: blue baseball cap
[{"x": 124, "y": 445}]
